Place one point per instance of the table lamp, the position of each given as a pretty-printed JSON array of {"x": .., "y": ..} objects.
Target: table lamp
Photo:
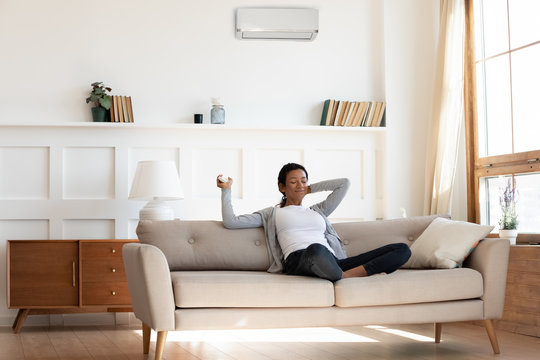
[{"x": 156, "y": 181}]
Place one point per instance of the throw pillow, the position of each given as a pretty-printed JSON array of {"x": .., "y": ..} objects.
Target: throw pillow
[{"x": 445, "y": 244}]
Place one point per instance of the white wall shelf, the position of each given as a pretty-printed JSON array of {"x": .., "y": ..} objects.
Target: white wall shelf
[{"x": 212, "y": 127}]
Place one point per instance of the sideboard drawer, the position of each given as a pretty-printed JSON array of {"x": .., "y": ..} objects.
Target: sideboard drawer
[
  {"x": 101, "y": 249},
  {"x": 114, "y": 293},
  {"x": 103, "y": 270}
]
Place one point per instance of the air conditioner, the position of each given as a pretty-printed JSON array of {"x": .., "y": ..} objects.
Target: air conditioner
[{"x": 277, "y": 23}]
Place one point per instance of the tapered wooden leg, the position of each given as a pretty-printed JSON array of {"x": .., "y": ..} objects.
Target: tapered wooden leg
[
  {"x": 438, "y": 330},
  {"x": 19, "y": 320},
  {"x": 146, "y": 330},
  {"x": 492, "y": 336},
  {"x": 160, "y": 344}
]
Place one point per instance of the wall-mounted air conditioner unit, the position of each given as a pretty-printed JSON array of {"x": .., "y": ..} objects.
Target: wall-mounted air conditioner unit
[{"x": 277, "y": 23}]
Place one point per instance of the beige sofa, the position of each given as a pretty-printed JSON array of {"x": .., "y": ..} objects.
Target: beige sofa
[{"x": 187, "y": 275}]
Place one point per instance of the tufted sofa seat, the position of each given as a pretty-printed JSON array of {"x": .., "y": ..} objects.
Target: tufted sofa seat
[{"x": 187, "y": 275}]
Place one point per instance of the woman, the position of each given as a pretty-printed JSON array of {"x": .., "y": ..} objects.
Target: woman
[{"x": 302, "y": 241}]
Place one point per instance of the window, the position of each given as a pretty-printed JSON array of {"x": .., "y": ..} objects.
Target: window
[{"x": 502, "y": 111}]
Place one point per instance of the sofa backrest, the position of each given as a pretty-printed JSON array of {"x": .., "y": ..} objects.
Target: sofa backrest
[
  {"x": 208, "y": 245},
  {"x": 359, "y": 237}
]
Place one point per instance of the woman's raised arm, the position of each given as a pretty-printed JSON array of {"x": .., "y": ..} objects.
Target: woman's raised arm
[
  {"x": 338, "y": 188},
  {"x": 230, "y": 220}
]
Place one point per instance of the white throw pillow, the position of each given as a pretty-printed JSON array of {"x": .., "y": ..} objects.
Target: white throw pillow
[{"x": 445, "y": 244}]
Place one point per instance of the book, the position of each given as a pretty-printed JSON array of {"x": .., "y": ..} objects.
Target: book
[
  {"x": 343, "y": 115},
  {"x": 366, "y": 114},
  {"x": 130, "y": 109},
  {"x": 324, "y": 114},
  {"x": 360, "y": 114},
  {"x": 124, "y": 109},
  {"x": 375, "y": 113},
  {"x": 352, "y": 113},
  {"x": 116, "y": 114},
  {"x": 380, "y": 115},
  {"x": 120, "y": 110},
  {"x": 334, "y": 112},
  {"x": 346, "y": 113},
  {"x": 338, "y": 113},
  {"x": 372, "y": 108}
]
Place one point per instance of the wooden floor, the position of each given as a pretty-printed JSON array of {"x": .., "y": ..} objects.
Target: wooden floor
[{"x": 459, "y": 341}]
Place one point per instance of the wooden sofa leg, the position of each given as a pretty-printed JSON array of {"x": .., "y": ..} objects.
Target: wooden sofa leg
[
  {"x": 492, "y": 336},
  {"x": 146, "y": 330},
  {"x": 160, "y": 344},
  {"x": 438, "y": 330}
]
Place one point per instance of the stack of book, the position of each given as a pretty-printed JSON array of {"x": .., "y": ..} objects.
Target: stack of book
[
  {"x": 121, "y": 110},
  {"x": 353, "y": 113}
]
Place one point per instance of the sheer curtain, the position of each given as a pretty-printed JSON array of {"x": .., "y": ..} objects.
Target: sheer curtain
[{"x": 448, "y": 113}]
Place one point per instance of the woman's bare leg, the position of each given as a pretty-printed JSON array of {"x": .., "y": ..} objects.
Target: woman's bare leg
[{"x": 358, "y": 271}]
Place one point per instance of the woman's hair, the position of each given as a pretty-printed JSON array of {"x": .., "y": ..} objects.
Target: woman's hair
[{"x": 282, "y": 177}]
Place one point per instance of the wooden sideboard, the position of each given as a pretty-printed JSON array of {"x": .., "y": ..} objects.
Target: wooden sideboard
[
  {"x": 65, "y": 276},
  {"x": 522, "y": 301}
]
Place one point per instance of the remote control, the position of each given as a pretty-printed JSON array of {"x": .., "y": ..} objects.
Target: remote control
[{"x": 223, "y": 179}]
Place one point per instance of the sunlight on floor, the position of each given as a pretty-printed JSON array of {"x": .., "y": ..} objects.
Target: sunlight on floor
[
  {"x": 308, "y": 335},
  {"x": 324, "y": 334},
  {"x": 397, "y": 332}
]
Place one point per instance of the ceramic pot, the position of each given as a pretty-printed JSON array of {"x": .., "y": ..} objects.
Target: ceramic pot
[
  {"x": 509, "y": 234},
  {"x": 99, "y": 114}
]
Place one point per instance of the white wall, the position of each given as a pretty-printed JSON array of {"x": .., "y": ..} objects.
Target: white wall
[
  {"x": 172, "y": 56},
  {"x": 410, "y": 29}
]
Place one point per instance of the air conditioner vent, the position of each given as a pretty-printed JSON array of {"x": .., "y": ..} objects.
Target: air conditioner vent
[{"x": 277, "y": 24}]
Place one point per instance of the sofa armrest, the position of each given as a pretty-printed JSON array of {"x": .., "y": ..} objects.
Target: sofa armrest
[
  {"x": 150, "y": 285},
  {"x": 490, "y": 258}
]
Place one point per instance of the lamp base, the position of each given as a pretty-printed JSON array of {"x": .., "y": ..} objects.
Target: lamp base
[{"x": 156, "y": 210}]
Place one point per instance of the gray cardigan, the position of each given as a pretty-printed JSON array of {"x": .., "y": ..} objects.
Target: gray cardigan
[{"x": 267, "y": 219}]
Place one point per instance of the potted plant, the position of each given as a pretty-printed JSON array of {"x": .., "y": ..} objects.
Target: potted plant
[
  {"x": 102, "y": 101},
  {"x": 508, "y": 222}
]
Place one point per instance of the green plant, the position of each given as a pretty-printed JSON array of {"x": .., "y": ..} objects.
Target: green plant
[
  {"x": 99, "y": 96},
  {"x": 508, "y": 199}
]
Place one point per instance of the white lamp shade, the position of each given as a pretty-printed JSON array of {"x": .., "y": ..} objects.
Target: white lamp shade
[{"x": 156, "y": 180}]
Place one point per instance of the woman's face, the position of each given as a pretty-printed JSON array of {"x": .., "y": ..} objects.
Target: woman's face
[{"x": 296, "y": 187}]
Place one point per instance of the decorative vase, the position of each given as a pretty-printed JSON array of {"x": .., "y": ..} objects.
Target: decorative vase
[
  {"x": 509, "y": 234},
  {"x": 99, "y": 114},
  {"x": 217, "y": 114}
]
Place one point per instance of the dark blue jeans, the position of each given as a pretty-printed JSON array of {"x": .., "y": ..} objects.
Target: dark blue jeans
[{"x": 317, "y": 260}]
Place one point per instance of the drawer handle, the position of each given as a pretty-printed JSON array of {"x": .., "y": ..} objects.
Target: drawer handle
[
  {"x": 113, "y": 270},
  {"x": 113, "y": 251},
  {"x": 113, "y": 293},
  {"x": 73, "y": 272}
]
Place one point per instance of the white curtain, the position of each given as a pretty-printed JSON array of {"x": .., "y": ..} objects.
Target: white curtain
[{"x": 448, "y": 113}]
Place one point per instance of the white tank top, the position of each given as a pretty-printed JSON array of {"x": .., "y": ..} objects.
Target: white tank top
[{"x": 298, "y": 227}]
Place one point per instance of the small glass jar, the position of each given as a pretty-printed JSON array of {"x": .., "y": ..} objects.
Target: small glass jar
[{"x": 217, "y": 114}]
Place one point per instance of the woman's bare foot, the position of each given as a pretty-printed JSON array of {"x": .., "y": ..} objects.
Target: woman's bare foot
[{"x": 359, "y": 271}]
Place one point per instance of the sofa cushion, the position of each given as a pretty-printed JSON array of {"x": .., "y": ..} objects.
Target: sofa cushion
[
  {"x": 409, "y": 287},
  {"x": 194, "y": 289},
  {"x": 445, "y": 244}
]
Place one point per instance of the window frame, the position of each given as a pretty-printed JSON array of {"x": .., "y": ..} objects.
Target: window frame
[{"x": 478, "y": 167}]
